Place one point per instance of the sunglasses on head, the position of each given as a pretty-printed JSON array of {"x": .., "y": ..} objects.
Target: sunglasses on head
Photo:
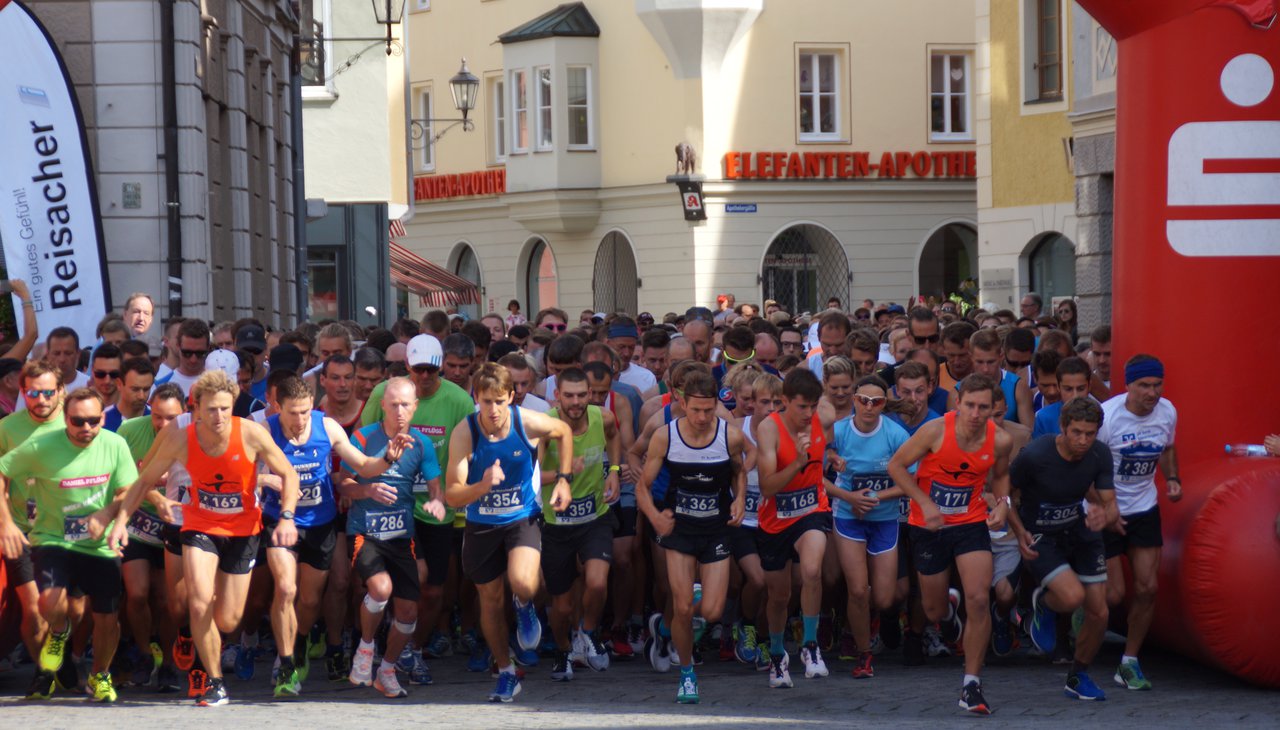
[
  {"x": 82, "y": 421},
  {"x": 34, "y": 394},
  {"x": 100, "y": 374},
  {"x": 920, "y": 340},
  {"x": 870, "y": 400},
  {"x": 195, "y": 353}
]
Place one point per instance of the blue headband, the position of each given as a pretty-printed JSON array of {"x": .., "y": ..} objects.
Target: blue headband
[
  {"x": 623, "y": 330},
  {"x": 1143, "y": 369}
]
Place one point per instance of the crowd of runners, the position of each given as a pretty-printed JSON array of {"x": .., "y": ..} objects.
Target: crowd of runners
[{"x": 737, "y": 484}]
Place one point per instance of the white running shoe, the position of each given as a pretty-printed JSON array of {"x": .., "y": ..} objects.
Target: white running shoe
[
  {"x": 779, "y": 671},
  {"x": 362, "y": 668},
  {"x": 388, "y": 684},
  {"x": 811, "y": 658}
]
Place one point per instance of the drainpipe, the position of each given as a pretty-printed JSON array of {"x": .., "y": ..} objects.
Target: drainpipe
[
  {"x": 299, "y": 181},
  {"x": 173, "y": 203}
]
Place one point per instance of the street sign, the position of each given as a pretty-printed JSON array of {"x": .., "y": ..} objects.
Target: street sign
[{"x": 740, "y": 207}]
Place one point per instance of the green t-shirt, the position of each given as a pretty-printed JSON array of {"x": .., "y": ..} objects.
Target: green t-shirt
[
  {"x": 588, "y": 484},
  {"x": 435, "y": 418},
  {"x": 14, "y": 430},
  {"x": 139, "y": 433},
  {"x": 71, "y": 483}
]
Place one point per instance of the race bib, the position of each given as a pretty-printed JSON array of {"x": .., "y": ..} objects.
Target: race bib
[
  {"x": 223, "y": 504},
  {"x": 798, "y": 503},
  {"x": 74, "y": 528},
  {"x": 1057, "y": 515},
  {"x": 752, "y": 503},
  {"x": 312, "y": 495},
  {"x": 579, "y": 511},
  {"x": 697, "y": 506},
  {"x": 1137, "y": 467},
  {"x": 874, "y": 482},
  {"x": 501, "y": 501},
  {"x": 145, "y": 527},
  {"x": 951, "y": 500},
  {"x": 386, "y": 524}
]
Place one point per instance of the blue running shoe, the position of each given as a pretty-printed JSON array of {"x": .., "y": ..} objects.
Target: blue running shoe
[
  {"x": 1080, "y": 687},
  {"x": 1001, "y": 633},
  {"x": 405, "y": 661},
  {"x": 439, "y": 646},
  {"x": 744, "y": 647},
  {"x": 507, "y": 688},
  {"x": 479, "y": 659},
  {"x": 528, "y": 627},
  {"x": 523, "y": 657},
  {"x": 420, "y": 673},
  {"x": 1043, "y": 629},
  {"x": 688, "y": 692},
  {"x": 244, "y": 663}
]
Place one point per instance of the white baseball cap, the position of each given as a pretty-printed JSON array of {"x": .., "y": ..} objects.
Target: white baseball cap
[
  {"x": 224, "y": 360},
  {"x": 424, "y": 350}
]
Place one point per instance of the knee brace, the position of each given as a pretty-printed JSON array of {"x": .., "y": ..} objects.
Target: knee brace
[
  {"x": 374, "y": 606},
  {"x": 406, "y": 629}
]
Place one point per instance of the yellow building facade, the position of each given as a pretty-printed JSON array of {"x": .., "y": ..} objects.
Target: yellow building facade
[{"x": 835, "y": 145}]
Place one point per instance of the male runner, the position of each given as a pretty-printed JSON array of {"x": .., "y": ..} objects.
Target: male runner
[
  {"x": 794, "y": 519},
  {"x": 135, "y": 382},
  {"x": 493, "y": 472},
  {"x": 958, "y": 454},
  {"x": 1139, "y": 426},
  {"x": 987, "y": 354},
  {"x": 380, "y": 523},
  {"x": 75, "y": 474},
  {"x": 702, "y": 457},
  {"x": 582, "y": 532},
  {"x": 1072, "y": 377},
  {"x": 222, "y": 520},
  {"x": 1063, "y": 549}
]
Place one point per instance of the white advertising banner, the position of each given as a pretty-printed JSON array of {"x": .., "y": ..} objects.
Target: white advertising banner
[{"x": 48, "y": 201}]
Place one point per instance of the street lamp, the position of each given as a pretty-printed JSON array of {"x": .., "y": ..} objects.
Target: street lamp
[
  {"x": 389, "y": 13},
  {"x": 463, "y": 86}
]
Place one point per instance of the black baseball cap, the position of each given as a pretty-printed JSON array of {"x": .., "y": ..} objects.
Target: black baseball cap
[{"x": 251, "y": 337}]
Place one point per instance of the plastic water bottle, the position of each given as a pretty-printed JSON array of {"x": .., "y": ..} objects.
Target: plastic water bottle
[{"x": 1246, "y": 450}]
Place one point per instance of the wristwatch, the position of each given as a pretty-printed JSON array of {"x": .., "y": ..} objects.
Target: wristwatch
[
  {"x": 562, "y": 475},
  {"x": 286, "y": 514}
]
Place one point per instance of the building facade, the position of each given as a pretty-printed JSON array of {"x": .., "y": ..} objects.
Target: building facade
[
  {"x": 201, "y": 218},
  {"x": 835, "y": 145}
]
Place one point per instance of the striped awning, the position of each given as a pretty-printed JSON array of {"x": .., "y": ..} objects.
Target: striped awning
[{"x": 435, "y": 284}]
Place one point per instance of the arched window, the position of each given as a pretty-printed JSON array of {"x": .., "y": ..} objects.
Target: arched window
[
  {"x": 467, "y": 266},
  {"x": 803, "y": 268},
  {"x": 1052, "y": 265},
  {"x": 949, "y": 257},
  {"x": 541, "y": 286},
  {"x": 614, "y": 284}
]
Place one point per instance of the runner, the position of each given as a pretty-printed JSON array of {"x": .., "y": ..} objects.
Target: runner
[
  {"x": 1063, "y": 549},
  {"x": 702, "y": 456},
  {"x": 584, "y": 531},
  {"x": 222, "y": 520},
  {"x": 958, "y": 454},
  {"x": 135, "y": 382},
  {"x": 75, "y": 474},
  {"x": 987, "y": 357},
  {"x": 743, "y": 544},
  {"x": 380, "y": 522},
  {"x": 866, "y": 510},
  {"x": 1072, "y": 377},
  {"x": 502, "y": 536},
  {"x": 794, "y": 519},
  {"x": 833, "y": 334},
  {"x": 1138, "y": 426}
]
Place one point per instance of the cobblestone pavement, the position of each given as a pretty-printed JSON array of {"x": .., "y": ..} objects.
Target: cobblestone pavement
[{"x": 1023, "y": 690}]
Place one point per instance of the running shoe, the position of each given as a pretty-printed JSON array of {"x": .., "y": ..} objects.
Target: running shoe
[
  {"x": 763, "y": 662},
  {"x": 54, "y": 650},
  {"x": 863, "y": 669},
  {"x": 933, "y": 644},
  {"x": 41, "y": 687},
  {"x": 197, "y": 683},
  {"x": 439, "y": 646},
  {"x": 1001, "y": 633},
  {"x": 404, "y": 662},
  {"x": 562, "y": 667},
  {"x": 288, "y": 685},
  {"x": 524, "y": 657},
  {"x": 1129, "y": 675},
  {"x": 335, "y": 663},
  {"x": 577, "y": 648},
  {"x": 688, "y": 692},
  {"x": 70, "y": 677},
  {"x": 302, "y": 657},
  {"x": 597, "y": 656},
  {"x": 971, "y": 699},
  {"x": 467, "y": 641},
  {"x": 779, "y": 672},
  {"x": 362, "y": 668},
  {"x": 811, "y": 658},
  {"x": 479, "y": 659},
  {"x": 848, "y": 648},
  {"x": 420, "y": 672},
  {"x": 215, "y": 694},
  {"x": 388, "y": 683},
  {"x": 619, "y": 645},
  {"x": 912, "y": 649},
  {"x": 635, "y": 637},
  {"x": 167, "y": 680},
  {"x": 728, "y": 647},
  {"x": 315, "y": 643},
  {"x": 656, "y": 649},
  {"x": 184, "y": 653},
  {"x": 745, "y": 649},
  {"x": 244, "y": 662},
  {"x": 1081, "y": 687},
  {"x": 699, "y": 627},
  {"x": 953, "y": 627},
  {"x": 507, "y": 688},
  {"x": 228, "y": 658},
  {"x": 877, "y": 644},
  {"x": 528, "y": 627},
  {"x": 1043, "y": 629}
]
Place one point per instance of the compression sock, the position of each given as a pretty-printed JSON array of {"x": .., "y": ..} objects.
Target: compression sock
[
  {"x": 810, "y": 629},
  {"x": 776, "y": 647}
]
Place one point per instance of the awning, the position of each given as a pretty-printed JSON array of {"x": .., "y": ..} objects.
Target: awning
[{"x": 436, "y": 286}]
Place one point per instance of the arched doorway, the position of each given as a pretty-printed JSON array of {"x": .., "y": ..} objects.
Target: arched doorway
[
  {"x": 949, "y": 257},
  {"x": 805, "y": 266},
  {"x": 467, "y": 266},
  {"x": 614, "y": 284},
  {"x": 540, "y": 284},
  {"x": 1052, "y": 265}
]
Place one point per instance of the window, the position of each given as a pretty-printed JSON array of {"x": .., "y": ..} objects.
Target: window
[
  {"x": 949, "y": 96},
  {"x": 542, "y": 80},
  {"x": 421, "y": 5},
  {"x": 520, "y": 104},
  {"x": 426, "y": 158},
  {"x": 579, "y": 106},
  {"x": 499, "y": 95},
  {"x": 819, "y": 84},
  {"x": 316, "y": 67},
  {"x": 1049, "y": 48}
]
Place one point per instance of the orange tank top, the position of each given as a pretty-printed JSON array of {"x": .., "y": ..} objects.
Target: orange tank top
[
  {"x": 954, "y": 479},
  {"x": 223, "y": 488},
  {"x": 804, "y": 494}
]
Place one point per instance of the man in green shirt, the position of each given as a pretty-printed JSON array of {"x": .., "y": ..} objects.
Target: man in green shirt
[
  {"x": 76, "y": 473},
  {"x": 41, "y": 390},
  {"x": 437, "y": 542}
]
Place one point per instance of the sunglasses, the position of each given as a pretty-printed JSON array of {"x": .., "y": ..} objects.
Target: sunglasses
[
  {"x": 555, "y": 327},
  {"x": 425, "y": 369},
  {"x": 34, "y": 394},
  {"x": 928, "y": 338},
  {"x": 1017, "y": 364},
  {"x": 100, "y": 374},
  {"x": 195, "y": 353},
  {"x": 81, "y": 421},
  {"x": 870, "y": 401}
]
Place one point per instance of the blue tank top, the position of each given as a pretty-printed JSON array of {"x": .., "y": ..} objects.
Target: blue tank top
[
  {"x": 516, "y": 498},
  {"x": 1009, "y": 384},
  {"x": 312, "y": 460},
  {"x": 659, "y": 487}
]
